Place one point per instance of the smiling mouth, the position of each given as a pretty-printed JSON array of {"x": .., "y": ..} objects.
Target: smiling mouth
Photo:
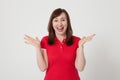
[{"x": 60, "y": 29}]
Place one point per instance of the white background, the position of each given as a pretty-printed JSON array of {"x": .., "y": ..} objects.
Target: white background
[{"x": 19, "y": 17}]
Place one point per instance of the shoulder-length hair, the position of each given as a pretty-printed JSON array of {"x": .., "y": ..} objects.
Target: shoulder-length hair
[{"x": 69, "y": 32}]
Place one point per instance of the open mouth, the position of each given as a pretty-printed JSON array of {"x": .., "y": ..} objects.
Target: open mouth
[{"x": 60, "y": 29}]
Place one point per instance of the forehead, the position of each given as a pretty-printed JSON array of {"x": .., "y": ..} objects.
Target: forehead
[{"x": 62, "y": 15}]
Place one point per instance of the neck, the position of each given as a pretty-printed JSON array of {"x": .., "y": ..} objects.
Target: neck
[{"x": 61, "y": 37}]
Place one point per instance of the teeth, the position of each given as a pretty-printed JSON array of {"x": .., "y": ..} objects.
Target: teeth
[{"x": 60, "y": 29}]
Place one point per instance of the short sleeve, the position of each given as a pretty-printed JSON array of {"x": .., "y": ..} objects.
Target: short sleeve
[
  {"x": 76, "y": 40},
  {"x": 43, "y": 42}
]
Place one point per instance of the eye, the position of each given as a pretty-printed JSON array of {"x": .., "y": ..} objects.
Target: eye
[
  {"x": 55, "y": 20},
  {"x": 63, "y": 19}
]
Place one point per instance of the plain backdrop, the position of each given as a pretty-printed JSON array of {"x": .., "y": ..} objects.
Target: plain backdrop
[{"x": 19, "y": 17}]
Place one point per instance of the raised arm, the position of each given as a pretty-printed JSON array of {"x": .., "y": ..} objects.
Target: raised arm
[
  {"x": 41, "y": 53},
  {"x": 80, "y": 58}
]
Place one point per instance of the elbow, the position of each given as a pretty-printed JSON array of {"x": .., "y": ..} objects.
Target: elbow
[
  {"x": 43, "y": 69},
  {"x": 80, "y": 67},
  {"x": 42, "y": 66}
]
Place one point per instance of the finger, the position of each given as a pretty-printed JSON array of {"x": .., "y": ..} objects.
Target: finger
[
  {"x": 92, "y": 35},
  {"x": 27, "y": 39},
  {"x": 28, "y": 36},
  {"x": 83, "y": 37},
  {"x": 26, "y": 42},
  {"x": 37, "y": 38},
  {"x": 30, "y": 39}
]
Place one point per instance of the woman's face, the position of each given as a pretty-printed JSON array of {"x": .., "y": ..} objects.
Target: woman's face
[{"x": 60, "y": 24}]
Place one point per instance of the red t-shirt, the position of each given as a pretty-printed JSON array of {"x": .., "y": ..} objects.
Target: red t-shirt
[{"x": 61, "y": 59}]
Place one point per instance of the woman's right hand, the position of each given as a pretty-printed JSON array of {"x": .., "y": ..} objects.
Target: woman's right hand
[{"x": 34, "y": 42}]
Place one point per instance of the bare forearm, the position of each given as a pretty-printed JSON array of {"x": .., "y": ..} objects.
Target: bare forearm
[
  {"x": 41, "y": 59},
  {"x": 41, "y": 54},
  {"x": 80, "y": 59}
]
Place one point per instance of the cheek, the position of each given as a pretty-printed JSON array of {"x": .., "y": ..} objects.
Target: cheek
[
  {"x": 65, "y": 24},
  {"x": 54, "y": 24}
]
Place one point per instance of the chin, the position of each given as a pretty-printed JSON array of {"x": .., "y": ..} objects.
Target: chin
[{"x": 61, "y": 33}]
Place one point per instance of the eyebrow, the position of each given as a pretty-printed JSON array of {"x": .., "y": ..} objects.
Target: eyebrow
[{"x": 61, "y": 18}]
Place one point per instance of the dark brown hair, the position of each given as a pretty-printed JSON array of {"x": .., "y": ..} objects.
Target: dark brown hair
[{"x": 69, "y": 32}]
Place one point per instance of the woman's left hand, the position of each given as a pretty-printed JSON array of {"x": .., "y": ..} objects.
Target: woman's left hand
[{"x": 86, "y": 39}]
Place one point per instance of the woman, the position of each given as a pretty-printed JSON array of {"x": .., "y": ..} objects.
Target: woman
[{"x": 60, "y": 53}]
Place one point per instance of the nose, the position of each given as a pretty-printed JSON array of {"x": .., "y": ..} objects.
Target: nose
[{"x": 60, "y": 23}]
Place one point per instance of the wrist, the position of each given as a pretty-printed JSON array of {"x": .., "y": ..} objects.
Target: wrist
[{"x": 37, "y": 47}]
